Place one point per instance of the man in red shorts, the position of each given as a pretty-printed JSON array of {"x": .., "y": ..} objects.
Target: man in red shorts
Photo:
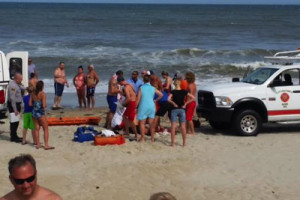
[
  {"x": 190, "y": 108},
  {"x": 130, "y": 104}
]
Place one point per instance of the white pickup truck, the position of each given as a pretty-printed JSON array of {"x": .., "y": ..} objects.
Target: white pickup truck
[
  {"x": 268, "y": 94},
  {"x": 10, "y": 64}
]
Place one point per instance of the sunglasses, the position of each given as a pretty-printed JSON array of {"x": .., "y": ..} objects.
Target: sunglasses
[{"x": 22, "y": 181}]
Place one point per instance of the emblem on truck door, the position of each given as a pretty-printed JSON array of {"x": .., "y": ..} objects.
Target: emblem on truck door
[{"x": 284, "y": 97}]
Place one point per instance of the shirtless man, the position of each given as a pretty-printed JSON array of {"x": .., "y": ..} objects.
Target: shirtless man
[
  {"x": 23, "y": 176},
  {"x": 155, "y": 81},
  {"x": 92, "y": 79},
  {"x": 60, "y": 80},
  {"x": 112, "y": 97},
  {"x": 130, "y": 104}
]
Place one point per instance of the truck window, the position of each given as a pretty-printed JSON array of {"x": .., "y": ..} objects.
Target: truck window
[
  {"x": 259, "y": 76},
  {"x": 15, "y": 66},
  {"x": 291, "y": 77}
]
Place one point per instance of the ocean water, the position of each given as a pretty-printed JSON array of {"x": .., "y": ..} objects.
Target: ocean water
[{"x": 216, "y": 42}]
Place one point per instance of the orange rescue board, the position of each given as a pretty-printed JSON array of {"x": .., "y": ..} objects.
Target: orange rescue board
[
  {"x": 65, "y": 121},
  {"x": 118, "y": 139}
]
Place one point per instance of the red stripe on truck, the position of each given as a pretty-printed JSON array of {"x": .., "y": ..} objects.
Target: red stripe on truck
[{"x": 283, "y": 112}]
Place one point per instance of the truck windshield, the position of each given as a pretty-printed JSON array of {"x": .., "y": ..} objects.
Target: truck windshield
[{"x": 259, "y": 76}]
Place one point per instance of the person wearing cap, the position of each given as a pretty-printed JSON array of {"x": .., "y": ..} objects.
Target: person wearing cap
[
  {"x": 79, "y": 82},
  {"x": 143, "y": 73},
  {"x": 14, "y": 101},
  {"x": 135, "y": 81},
  {"x": 23, "y": 176},
  {"x": 60, "y": 80},
  {"x": 92, "y": 79},
  {"x": 130, "y": 104},
  {"x": 112, "y": 97}
]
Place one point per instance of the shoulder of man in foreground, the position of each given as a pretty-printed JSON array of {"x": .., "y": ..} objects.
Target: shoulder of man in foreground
[
  {"x": 44, "y": 194},
  {"x": 47, "y": 194}
]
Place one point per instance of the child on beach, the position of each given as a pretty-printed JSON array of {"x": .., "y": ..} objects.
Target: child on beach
[
  {"x": 27, "y": 117},
  {"x": 177, "y": 99},
  {"x": 38, "y": 101}
]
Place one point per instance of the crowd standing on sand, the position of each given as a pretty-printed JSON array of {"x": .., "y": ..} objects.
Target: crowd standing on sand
[{"x": 143, "y": 102}]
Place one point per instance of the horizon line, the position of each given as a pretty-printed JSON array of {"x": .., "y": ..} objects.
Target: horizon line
[{"x": 153, "y": 3}]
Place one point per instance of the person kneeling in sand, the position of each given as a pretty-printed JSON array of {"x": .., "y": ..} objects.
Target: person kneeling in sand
[{"x": 23, "y": 176}]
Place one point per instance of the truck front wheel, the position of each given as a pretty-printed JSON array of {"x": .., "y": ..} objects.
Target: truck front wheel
[{"x": 247, "y": 123}]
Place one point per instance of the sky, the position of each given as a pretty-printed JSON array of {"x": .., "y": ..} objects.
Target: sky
[{"x": 272, "y": 2}]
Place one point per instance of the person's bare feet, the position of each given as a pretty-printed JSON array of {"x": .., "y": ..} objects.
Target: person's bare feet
[
  {"x": 49, "y": 148},
  {"x": 38, "y": 146}
]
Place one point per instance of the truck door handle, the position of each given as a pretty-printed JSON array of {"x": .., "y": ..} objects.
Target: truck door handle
[{"x": 296, "y": 91}]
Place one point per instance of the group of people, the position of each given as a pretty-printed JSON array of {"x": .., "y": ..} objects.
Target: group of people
[
  {"x": 149, "y": 99},
  {"x": 34, "y": 99},
  {"x": 146, "y": 100}
]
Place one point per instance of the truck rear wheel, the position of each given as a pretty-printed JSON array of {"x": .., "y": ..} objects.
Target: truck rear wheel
[{"x": 247, "y": 123}]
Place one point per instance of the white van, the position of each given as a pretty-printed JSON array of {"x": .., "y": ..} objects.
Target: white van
[{"x": 10, "y": 64}]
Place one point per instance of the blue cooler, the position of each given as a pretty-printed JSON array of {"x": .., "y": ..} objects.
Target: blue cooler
[{"x": 84, "y": 134}]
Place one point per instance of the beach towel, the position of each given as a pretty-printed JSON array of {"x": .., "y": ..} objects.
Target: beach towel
[{"x": 118, "y": 116}]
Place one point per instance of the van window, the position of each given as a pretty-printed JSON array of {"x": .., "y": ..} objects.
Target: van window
[{"x": 15, "y": 66}]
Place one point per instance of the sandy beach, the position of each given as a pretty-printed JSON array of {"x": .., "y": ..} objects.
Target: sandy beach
[{"x": 213, "y": 165}]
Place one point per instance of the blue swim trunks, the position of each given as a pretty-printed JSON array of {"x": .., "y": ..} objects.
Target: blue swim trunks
[
  {"x": 112, "y": 100},
  {"x": 58, "y": 89}
]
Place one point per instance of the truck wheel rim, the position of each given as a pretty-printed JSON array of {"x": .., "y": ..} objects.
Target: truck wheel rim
[{"x": 248, "y": 123}]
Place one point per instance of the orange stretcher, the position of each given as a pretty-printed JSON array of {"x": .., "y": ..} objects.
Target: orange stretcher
[
  {"x": 65, "y": 121},
  {"x": 101, "y": 140}
]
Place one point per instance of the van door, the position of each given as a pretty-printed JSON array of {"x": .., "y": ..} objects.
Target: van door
[
  {"x": 4, "y": 76},
  {"x": 18, "y": 63}
]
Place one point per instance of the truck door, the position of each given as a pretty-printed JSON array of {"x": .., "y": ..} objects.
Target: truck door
[
  {"x": 283, "y": 96},
  {"x": 18, "y": 63}
]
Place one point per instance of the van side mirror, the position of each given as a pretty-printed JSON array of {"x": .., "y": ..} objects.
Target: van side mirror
[{"x": 235, "y": 79}]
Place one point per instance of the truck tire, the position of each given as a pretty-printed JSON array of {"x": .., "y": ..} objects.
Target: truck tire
[
  {"x": 247, "y": 123},
  {"x": 219, "y": 125}
]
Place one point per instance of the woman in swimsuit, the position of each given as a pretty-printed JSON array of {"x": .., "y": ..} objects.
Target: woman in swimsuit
[
  {"x": 38, "y": 101},
  {"x": 79, "y": 82}
]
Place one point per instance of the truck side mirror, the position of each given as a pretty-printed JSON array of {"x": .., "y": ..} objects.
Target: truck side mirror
[{"x": 235, "y": 79}]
